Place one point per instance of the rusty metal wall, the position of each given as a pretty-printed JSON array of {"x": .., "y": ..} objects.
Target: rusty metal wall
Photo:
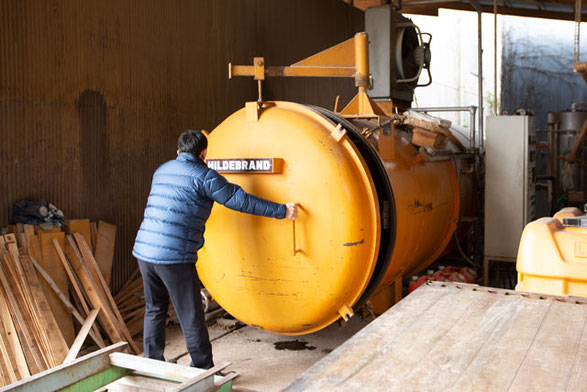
[{"x": 93, "y": 94}]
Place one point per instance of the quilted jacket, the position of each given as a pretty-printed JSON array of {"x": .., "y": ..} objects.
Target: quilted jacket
[{"x": 182, "y": 194}]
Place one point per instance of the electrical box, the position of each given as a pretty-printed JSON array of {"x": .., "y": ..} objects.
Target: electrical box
[
  {"x": 398, "y": 52},
  {"x": 510, "y": 154}
]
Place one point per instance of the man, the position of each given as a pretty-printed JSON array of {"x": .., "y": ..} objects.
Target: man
[{"x": 182, "y": 194}]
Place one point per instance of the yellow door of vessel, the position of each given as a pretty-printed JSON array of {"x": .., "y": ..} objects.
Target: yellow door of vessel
[{"x": 248, "y": 262}]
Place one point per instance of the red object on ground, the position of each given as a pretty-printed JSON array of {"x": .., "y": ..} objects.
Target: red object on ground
[
  {"x": 450, "y": 274},
  {"x": 449, "y": 270},
  {"x": 469, "y": 273},
  {"x": 414, "y": 284},
  {"x": 439, "y": 276},
  {"x": 457, "y": 277}
]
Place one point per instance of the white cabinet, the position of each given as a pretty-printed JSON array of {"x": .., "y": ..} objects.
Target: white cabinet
[{"x": 510, "y": 153}]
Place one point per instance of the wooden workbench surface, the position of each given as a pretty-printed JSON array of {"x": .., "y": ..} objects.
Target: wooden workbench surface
[{"x": 457, "y": 337}]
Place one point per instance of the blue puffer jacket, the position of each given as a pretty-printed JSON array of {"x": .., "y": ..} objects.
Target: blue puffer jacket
[{"x": 180, "y": 202}]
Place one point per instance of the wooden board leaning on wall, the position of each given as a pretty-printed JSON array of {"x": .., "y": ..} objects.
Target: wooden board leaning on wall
[{"x": 48, "y": 279}]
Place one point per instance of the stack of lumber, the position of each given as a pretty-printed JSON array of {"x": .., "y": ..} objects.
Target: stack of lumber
[
  {"x": 131, "y": 303},
  {"x": 46, "y": 278}
]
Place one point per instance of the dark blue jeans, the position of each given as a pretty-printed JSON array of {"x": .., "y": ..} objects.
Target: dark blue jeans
[{"x": 181, "y": 283}]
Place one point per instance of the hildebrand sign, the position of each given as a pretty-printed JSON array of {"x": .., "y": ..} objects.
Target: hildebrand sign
[{"x": 246, "y": 165}]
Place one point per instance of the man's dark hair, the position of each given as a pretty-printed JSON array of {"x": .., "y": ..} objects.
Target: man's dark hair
[{"x": 193, "y": 142}]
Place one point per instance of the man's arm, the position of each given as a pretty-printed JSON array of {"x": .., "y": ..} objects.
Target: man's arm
[{"x": 232, "y": 196}]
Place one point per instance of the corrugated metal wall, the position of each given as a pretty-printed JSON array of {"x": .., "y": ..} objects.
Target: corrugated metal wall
[{"x": 93, "y": 94}]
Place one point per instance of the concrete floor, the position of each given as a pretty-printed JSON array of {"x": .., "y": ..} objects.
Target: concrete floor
[{"x": 253, "y": 353}]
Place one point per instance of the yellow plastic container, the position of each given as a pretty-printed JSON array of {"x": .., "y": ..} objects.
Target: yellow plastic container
[{"x": 552, "y": 258}]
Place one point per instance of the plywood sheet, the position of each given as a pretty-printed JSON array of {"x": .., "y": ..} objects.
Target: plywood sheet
[
  {"x": 104, "y": 251},
  {"x": 80, "y": 226}
]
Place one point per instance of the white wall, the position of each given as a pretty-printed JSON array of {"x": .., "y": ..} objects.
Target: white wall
[{"x": 454, "y": 62}]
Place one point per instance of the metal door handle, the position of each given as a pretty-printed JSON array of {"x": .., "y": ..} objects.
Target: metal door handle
[{"x": 293, "y": 236}]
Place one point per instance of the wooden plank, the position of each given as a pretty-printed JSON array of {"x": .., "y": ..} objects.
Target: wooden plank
[
  {"x": 161, "y": 369},
  {"x": 130, "y": 309},
  {"x": 131, "y": 296},
  {"x": 34, "y": 246},
  {"x": 129, "y": 281},
  {"x": 140, "y": 383},
  {"x": 95, "y": 336},
  {"x": 203, "y": 382},
  {"x": 11, "y": 246},
  {"x": 10, "y": 371},
  {"x": 106, "y": 317},
  {"x": 4, "y": 376},
  {"x": 30, "y": 310},
  {"x": 78, "y": 290},
  {"x": 49, "y": 324},
  {"x": 410, "y": 346},
  {"x": 81, "y": 336},
  {"x": 94, "y": 233},
  {"x": 135, "y": 313},
  {"x": 79, "y": 293},
  {"x": 358, "y": 352},
  {"x": 95, "y": 271},
  {"x": 31, "y": 314},
  {"x": 135, "y": 325},
  {"x": 578, "y": 377},
  {"x": 80, "y": 226},
  {"x": 51, "y": 263},
  {"x": 462, "y": 338},
  {"x": 479, "y": 337},
  {"x": 30, "y": 348},
  {"x": 29, "y": 230},
  {"x": 12, "y": 339},
  {"x": 549, "y": 362},
  {"x": 20, "y": 237},
  {"x": 491, "y": 361},
  {"x": 86, "y": 254},
  {"x": 53, "y": 229},
  {"x": 65, "y": 375},
  {"x": 130, "y": 291},
  {"x": 104, "y": 250}
]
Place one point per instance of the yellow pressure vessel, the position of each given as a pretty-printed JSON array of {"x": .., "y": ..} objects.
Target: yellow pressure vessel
[{"x": 366, "y": 215}]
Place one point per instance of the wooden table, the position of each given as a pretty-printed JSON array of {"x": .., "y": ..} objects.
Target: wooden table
[{"x": 456, "y": 337}]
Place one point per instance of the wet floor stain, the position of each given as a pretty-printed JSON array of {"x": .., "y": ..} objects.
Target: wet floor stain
[{"x": 293, "y": 345}]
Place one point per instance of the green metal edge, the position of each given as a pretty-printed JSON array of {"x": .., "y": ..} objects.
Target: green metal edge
[
  {"x": 112, "y": 374},
  {"x": 226, "y": 387},
  {"x": 97, "y": 380}
]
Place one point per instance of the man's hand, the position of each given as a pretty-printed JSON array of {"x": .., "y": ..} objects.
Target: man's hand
[{"x": 292, "y": 211}]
